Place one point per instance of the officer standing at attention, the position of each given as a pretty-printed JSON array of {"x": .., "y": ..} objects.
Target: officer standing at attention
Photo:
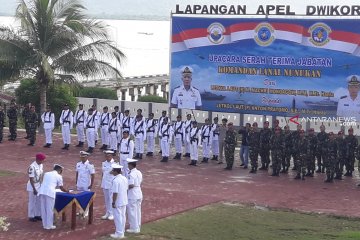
[
  {"x": 151, "y": 130},
  {"x": 2, "y": 120},
  {"x": 114, "y": 132},
  {"x": 159, "y": 126},
  {"x": 79, "y": 120},
  {"x": 187, "y": 127},
  {"x": 35, "y": 173},
  {"x": 32, "y": 124},
  {"x": 349, "y": 105},
  {"x": 138, "y": 130},
  {"x": 66, "y": 122},
  {"x": 47, "y": 192},
  {"x": 215, "y": 139},
  {"x": 48, "y": 119},
  {"x": 206, "y": 140},
  {"x": 106, "y": 182},
  {"x": 126, "y": 150},
  {"x": 265, "y": 135},
  {"x": 12, "y": 115},
  {"x": 135, "y": 197},
  {"x": 186, "y": 96},
  {"x": 97, "y": 118},
  {"x": 179, "y": 136},
  {"x": 253, "y": 140},
  {"x": 230, "y": 143},
  {"x": 104, "y": 125},
  {"x": 85, "y": 173},
  {"x": 119, "y": 191},
  {"x": 194, "y": 140},
  {"x": 322, "y": 138},
  {"x": 91, "y": 124},
  {"x": 166, "y": 133}
]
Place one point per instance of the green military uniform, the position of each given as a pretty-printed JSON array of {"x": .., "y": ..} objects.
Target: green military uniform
[
  {"x": 12, "y": 115},
  {"x": 2, "y": 120},
  {"x": 322, "y": 137},
  {"x": 287, "y": 151},
  {"x": 26, "y": 116},
  {"x": 300, "y": 150},
  {"x": 351, "y": 145},
  {"x": 340, "y": 161},
  {"x": 277, "y": 151},
  {"x": 33, "y": 123},
  {"x": 253, "y": 140},
  {"x": 230, "y": 143},
  {"x": 265, "y": 136},
  {"x": 331, "y": 158},
  {"x": 312, "y": 140}
]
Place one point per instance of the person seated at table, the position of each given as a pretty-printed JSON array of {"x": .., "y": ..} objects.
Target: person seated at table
[
  {"x": 119, "y": 190},
  {"x": 85, "y": 173},
  {"x": 47, "y": 193}
]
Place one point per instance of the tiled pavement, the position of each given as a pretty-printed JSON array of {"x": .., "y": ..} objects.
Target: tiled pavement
[{"x": 169, "y": 188}]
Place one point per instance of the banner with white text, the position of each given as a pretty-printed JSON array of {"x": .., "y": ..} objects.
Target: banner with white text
[{"x": 282, "y": 67}]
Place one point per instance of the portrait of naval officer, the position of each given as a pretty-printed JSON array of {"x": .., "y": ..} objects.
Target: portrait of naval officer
[
  {"x": 349, "y": 105},
  {"x": 186, "y": 96}
]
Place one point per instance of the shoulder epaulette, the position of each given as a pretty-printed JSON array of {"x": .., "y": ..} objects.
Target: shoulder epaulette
[{"x": 343, "y": 97}]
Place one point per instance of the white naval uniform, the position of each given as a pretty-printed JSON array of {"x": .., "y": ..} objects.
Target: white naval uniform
[
  {"x": 47, "y": 194},
  {"x": 126, "y": 150},
  {"x": 135, "y": 197},
  {"x": 48, "y": 118},
  {"x": 35, "y": 171},
  {"x": 119, "y": 116},
  {"x": 114, "y": 132},
  {"x": 126, "y": 122},
  {"x": 349, "y": 108},
  {"x": 66, "y": 121},
  {"x": 91, "y": 126},
  {"x": 215, "y": 139},
  {"x": 179, "y": 135},
  {"x": 97, "y": 118},
  {"x": 104, "y": 125},
  {"x": 159, "y": 126},
  {"x": 84, "y": 171},
  {"x": 206, "y": 139},
  {"x": 120, "y": 186},
  {"x": 138, "y": 129},
  {"x": 106, "y": 182},
  {"x": 79, "y": 120},
  {"x": 151, "y": 130},
  {"x": 166, "y": 133},
  {"x": 194, "y": 138},
  {"x": 189, "y": 99},
  {"x": 187, "y": 131}
]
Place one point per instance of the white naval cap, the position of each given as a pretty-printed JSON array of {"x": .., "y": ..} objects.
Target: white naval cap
[
  {"x": 129, "y": 160},
  {"x": 109, "y": 152},
  {"x": 84, "y": 153},
  {"x": 186, "y": 70},
  {"x": 58, "y": 165},
  {"x": 353, "y": 80},
  {"x": 116, "y": 166}
]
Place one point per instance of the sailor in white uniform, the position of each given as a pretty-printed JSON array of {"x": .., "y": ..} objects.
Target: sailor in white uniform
[
  {"x": 187, "y": 127},
  {"x": 206, "y": 140},
  {"x": 126, "y": 121},
  {"x": 166, "y": 133},
  {"x": 151, "y": 132},
  {"x": 91, "y": 124},
  {"x": 104, "y": 127},
  {"x": 106, "y": 182},
  {"x": 85, "y": 173},
  {"x": 114, "y": 132},
  {"x": 179, "y": 136},
  {"x": 35, "y": 173},
  {"x": 186, "y": 96},
  {"x": 79, "y": 120},
  {"x": 66, "y": 122},
  {"x": 194, "y": 138},
  {"x": 126, "y": 150},
  {"x": 97, "y": 118},
  {"x": 349, "y": 105},
  {"x": 47, "y": 193},
  {"x": 159, "y": 126},
  {"x": 48, "y": 119},
  {"x": 135, "y": 197},
  {"x": 215, "y": 139},
  {"x": 138, "y": 130},
  {"x": 119, "y": 191}
]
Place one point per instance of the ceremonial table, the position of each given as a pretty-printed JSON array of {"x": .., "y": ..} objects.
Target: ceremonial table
[{"x": 82, "y": 200}]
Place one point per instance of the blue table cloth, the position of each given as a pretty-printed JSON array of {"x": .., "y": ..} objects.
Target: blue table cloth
[{"x": 82, "y": 200}]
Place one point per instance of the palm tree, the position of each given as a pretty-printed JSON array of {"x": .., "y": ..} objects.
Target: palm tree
[{"x": 56, "y": 42}]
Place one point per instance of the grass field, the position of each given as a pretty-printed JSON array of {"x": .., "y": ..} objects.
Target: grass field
[
  {"x": 6, "y": 173},
  {"x": 237, "y": 222}
]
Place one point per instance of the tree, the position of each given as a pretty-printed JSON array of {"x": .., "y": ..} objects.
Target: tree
[
  {"x": 60, "y": 94},
  {"x": 152, "y": 98},
  {"x": 95, "y": 92},
  {"x": 55, "y": 43}
]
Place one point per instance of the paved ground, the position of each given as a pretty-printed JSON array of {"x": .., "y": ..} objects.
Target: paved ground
[{"x": 168, "y": 189}]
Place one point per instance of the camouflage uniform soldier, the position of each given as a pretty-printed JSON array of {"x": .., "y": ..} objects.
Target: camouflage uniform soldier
[
  {"x": 277, "y": 150},
  {"x": 340, "y": 161},
  {"x": 2, "y": 120},
  {"x": 253, "y": 140},
  {"x": 322, "y": 137},
  {"x": 294, "y": 138},
  {"x": 25, "y": 114},
  {"x": 12, "y": 115},
  {"x": 331, "y": 156},
  {"x": 351, "y": 145},
  {"x": 287, "y": 151},
  {"x": 312, "y": 140},
  {"x": 230, "y": 143},
  {"x": 265, "y": 136},
  {"x": 32, "y": 124},
  {"x": 301, "y": 152}
]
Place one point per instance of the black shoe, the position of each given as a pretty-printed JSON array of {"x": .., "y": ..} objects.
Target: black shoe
[
  {"x": 148, "y": 154},
  {"x": 160, "y": 152},
  {"x": 27, "y": 137},
  {"x": 64, "y": 147},
  {"x": 31, "y": 144},
  {"x": 297, "y": 176},
  {"x": 273, "y": 174},
  {"x": 307, "y": 174},
  {"x": 252, "y": 171},
  {"x": 79, "y": 145},
  {"x": 220, "y": 162},
  {"x": 283, "y": 171},
  {"x": 140, "y": 156},
  {"x": 328, "y": 180},
  {"x": 187, "y": 155},
  {"x": 245, "y": 167},
  {"x": 90, "y": 150},
  {"x": 227, "y": 168},
  {"x": 96, "y": 142},
  {"x": 11, "y": 139},
  {"x": 103, "y": 147},
  {"x": 302, "y": 177},
  {"x": 338, "y": 177},
  {"x": 38, "y": 218},
  {"x": 242, "y": 165},
  {"x": 163, "y": 159},
  {"x": 176, "y": 156},
  {"x": 32, "y": 219},
  {"x": 151, "y": 154},
  {"x": 294, "y": 168},
  {"x": 213, "y": 158}
]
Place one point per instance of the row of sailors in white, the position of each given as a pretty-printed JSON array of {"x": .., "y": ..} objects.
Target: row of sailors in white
[{"x": 42, "y": 193}]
